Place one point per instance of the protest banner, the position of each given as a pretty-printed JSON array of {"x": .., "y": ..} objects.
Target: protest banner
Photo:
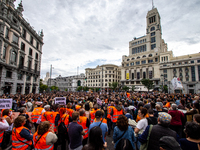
[
  {"x": 60, "y": 100},
  {"x": 99, "y": 101},
  {"x": 5, "y": 103}
]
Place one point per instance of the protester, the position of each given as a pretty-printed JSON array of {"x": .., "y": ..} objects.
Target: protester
[
  {"x": 75, "y": 133},
  {"x": 169, "y": 143},
  {"x": 151, "y": 119},
  {"x": 3, "y": 126},
  {"x": 21, "y": 136},
  {"x": 28, "y": 123},
  {"x": 192, "y": 141},
  {"x": 122, "y": 128},
  {"x": 158, "y": 131},
  {"x": 45, "y": 137},
  {"x": 95, "y": 140},
  {"x": 99, "y": 122}
]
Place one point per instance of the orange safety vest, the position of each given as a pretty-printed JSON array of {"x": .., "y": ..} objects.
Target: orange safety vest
[
  {"x": 40, "y": 142},
  {"x": 36, "y": 114},
  {"x": 65, "y": 119},
  {"x": 78, "y": 107},
  {"x": 1, "y": 135},
  {"x": 53, "y": 120},
  {"x": 104, "y": 120},
  {"x": 5, "y": 116},
  {"x": 116, "y": 114},
  {"x": 47, "y": 116},
  {"x": 109, "y": 108},
  {"x": 138, "y": 117},
  {"x": 16, "y": 139},
  {"x": 70, "y": 111},
  {"x": 92, "y": 115},
  {"x": 83, "y": 121}
]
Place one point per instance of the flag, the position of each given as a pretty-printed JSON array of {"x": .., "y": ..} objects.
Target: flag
[{"x": 176, "y": 83}]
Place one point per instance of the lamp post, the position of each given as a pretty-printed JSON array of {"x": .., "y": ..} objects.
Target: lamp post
[
  {"x": 162, "y": 78},
  {"x": 50, "y": 75}
]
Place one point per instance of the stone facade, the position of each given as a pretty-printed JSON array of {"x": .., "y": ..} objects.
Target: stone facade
[
  {"x": 71, "y": 83},
  {"x": 101, "y": 76},
  {"x": 144, "y": 55},
  {"x": 21, "y": 51},
  {"x": 186, "y": 68}
]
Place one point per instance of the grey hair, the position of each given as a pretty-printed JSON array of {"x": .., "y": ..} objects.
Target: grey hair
[{"x": 174, "y": 106}]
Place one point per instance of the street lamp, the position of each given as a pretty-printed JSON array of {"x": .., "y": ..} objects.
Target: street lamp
[{"x": 50, "y": 75}]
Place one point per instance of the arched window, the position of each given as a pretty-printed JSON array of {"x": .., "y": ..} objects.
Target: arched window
[
  {"x": 132, "y": 58},
  {"x": 138, "y": 57},
  {"x": 150, "y": 55},
  {"x": 152, "y": 28},
  {"x": 143, "y": 56},
  {"x": 79, "y": 83},
  {"x": 128, "y": 59}
]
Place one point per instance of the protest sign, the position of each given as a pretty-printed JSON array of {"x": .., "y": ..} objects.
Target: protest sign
[
  {"x": 99, "y": 101},
  {"x": 5, "y": 103},
  {"x": 60, "y": 100}
]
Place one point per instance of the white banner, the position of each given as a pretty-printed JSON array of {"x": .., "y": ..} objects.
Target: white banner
[
  {"x": 5, "y": 103},
  {"x": 99, "y": 101},
  {"x": 177, "y": 83},
  {"x": 60, "y": 100}
]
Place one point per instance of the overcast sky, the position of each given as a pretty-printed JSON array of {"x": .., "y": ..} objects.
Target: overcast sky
[{"x": 87, "y": 33}]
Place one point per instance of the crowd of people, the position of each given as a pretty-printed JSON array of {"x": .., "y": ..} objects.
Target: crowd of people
[{"x": 152, "y": 121}]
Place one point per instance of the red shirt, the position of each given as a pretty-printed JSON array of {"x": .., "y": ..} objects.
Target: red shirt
[{"x": 176, "y": 117}]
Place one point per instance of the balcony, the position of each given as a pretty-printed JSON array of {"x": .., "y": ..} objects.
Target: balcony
[{"x": 28, "y": 69}]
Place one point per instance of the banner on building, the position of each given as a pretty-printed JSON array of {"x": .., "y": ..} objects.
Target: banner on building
[
  {"x": 176, "y": 83},
  {"x": 5, "y": 103},
  {"x": 60, "y": 100},
  {"x": 127, "y": 76}
]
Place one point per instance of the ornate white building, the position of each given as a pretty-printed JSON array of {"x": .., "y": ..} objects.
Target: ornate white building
[{"x": 21, "y": 51}]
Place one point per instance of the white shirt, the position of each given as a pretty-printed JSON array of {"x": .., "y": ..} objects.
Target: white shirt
[
  {"x": 142, "y": 124},
  {"x": 4, "y": 125}
]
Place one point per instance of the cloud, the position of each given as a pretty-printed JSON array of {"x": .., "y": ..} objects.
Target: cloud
[{"x": 90, "y": 33}]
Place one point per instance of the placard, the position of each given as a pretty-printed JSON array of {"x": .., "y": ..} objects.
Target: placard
[
  {"x": 99, "y": 101},
  {"x": 60, "y": 100},
  {"x": 5, "y": 103}
]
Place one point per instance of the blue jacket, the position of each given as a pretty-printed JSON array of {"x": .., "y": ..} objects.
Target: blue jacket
[{"x": 129, "y": 134}]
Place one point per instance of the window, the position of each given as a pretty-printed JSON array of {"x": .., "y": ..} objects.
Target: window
[
  {"x": 128, "y": 59},
  {"x": 150, "y": 61},
  {"x": 152, "y": 19},
  {"x": 8, "y": 74},
  {"x": 144, "y": 75},
  {"x": 156, "y": 59},
  {"x": 28, "y": 78},
  {"x": 186, "y": 62},
  {"x": 109, "y": 71},
  {"x": 165, "y": 71},
  {"x": 31, "y": 40},
  {"x": 198, "y": 61},
  {"x": 36, "y": 56},
  {"x": 15, "y": 39},
  {"x": 138, "y": 75},
  {"x": 199, "y": 72},
  {"x": 132, "y": 64},
  {"x": 105, "y": 71},
  {"x": 193, "y": 73},
  {"x": 137, "y": 62},
  {"x": 132, "y": 75},
  {"x": 109, "y": 76},
  {"x": 143, "y": 56},
  {"x": 37, "y": 45},
  {"x": 165, "y": 76},
  {"x": 13, "y": 57},
  {"x": 22, "y": 46},
  {"x": 35, "y": 79},
  {"x": 153, "y": 46},
  {"x": 35, "y": 67},
  {"x": 150, "y": 74},
  {"x": 139, "y": 49},
  {"x": 19, "y": 76},
  {"x": 127, "y": 65},
  {"x": 4, "y": 52},
  {"x": 153, "y": 33},
  {"x": 24, "y": 33},
  {"x": 132, "y": 58},
  {"x": 152, "y": 28},
  {"x": 7, "y": 32},
  {"x": 30, "y": 51},
  {"x": 192, "y": 61},
  {"x": 138, "y": 57},
  {"x": 153, "y": 39},
  {"x": 144, "y": 62}
]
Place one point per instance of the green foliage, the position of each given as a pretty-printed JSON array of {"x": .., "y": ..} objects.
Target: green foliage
[
  {"x": 164, "y": 88},
  {"x": 42, "y": 87},
  {"x": 79, "y": 88},
  {"x": 113, "y": 85},
  {"x": 147, "y": 83},
  {"x": 92, "y": 89},
  {"x": 66, "y": 89},
  {"x": 125, "y": 88},
  {"x": 85, "y": 88},
  {"x": 133, "y": 88},
  {"x": 54, "y": 88}
]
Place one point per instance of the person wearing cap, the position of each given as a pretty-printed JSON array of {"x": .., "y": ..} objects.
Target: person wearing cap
[
  {"x": 158, "y": 131},
  {"x": 169, "y": 143},
  {"x": 103, "y": 126}
]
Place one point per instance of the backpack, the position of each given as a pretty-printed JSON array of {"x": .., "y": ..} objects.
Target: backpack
[{"x": 124, "y": 144}]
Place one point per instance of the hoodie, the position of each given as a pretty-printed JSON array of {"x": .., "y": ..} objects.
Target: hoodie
[{"x": 118, "y": 107}]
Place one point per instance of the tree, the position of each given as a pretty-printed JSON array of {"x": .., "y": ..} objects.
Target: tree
[
  {"x": 133, "y": 88},
  {"x": 79, "y": 88},
  {"x": 85, "y": 88},
  {"x": 164, "y": 88},
  {"x": 54, "y": 88},
  {"x": 113, "y": 85},
  {"x": 125, "y": 88},
  {"x": 147, "y": 83},
  {"x": 42, "y": 87},
  {"x": 66, "y": 89}
]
